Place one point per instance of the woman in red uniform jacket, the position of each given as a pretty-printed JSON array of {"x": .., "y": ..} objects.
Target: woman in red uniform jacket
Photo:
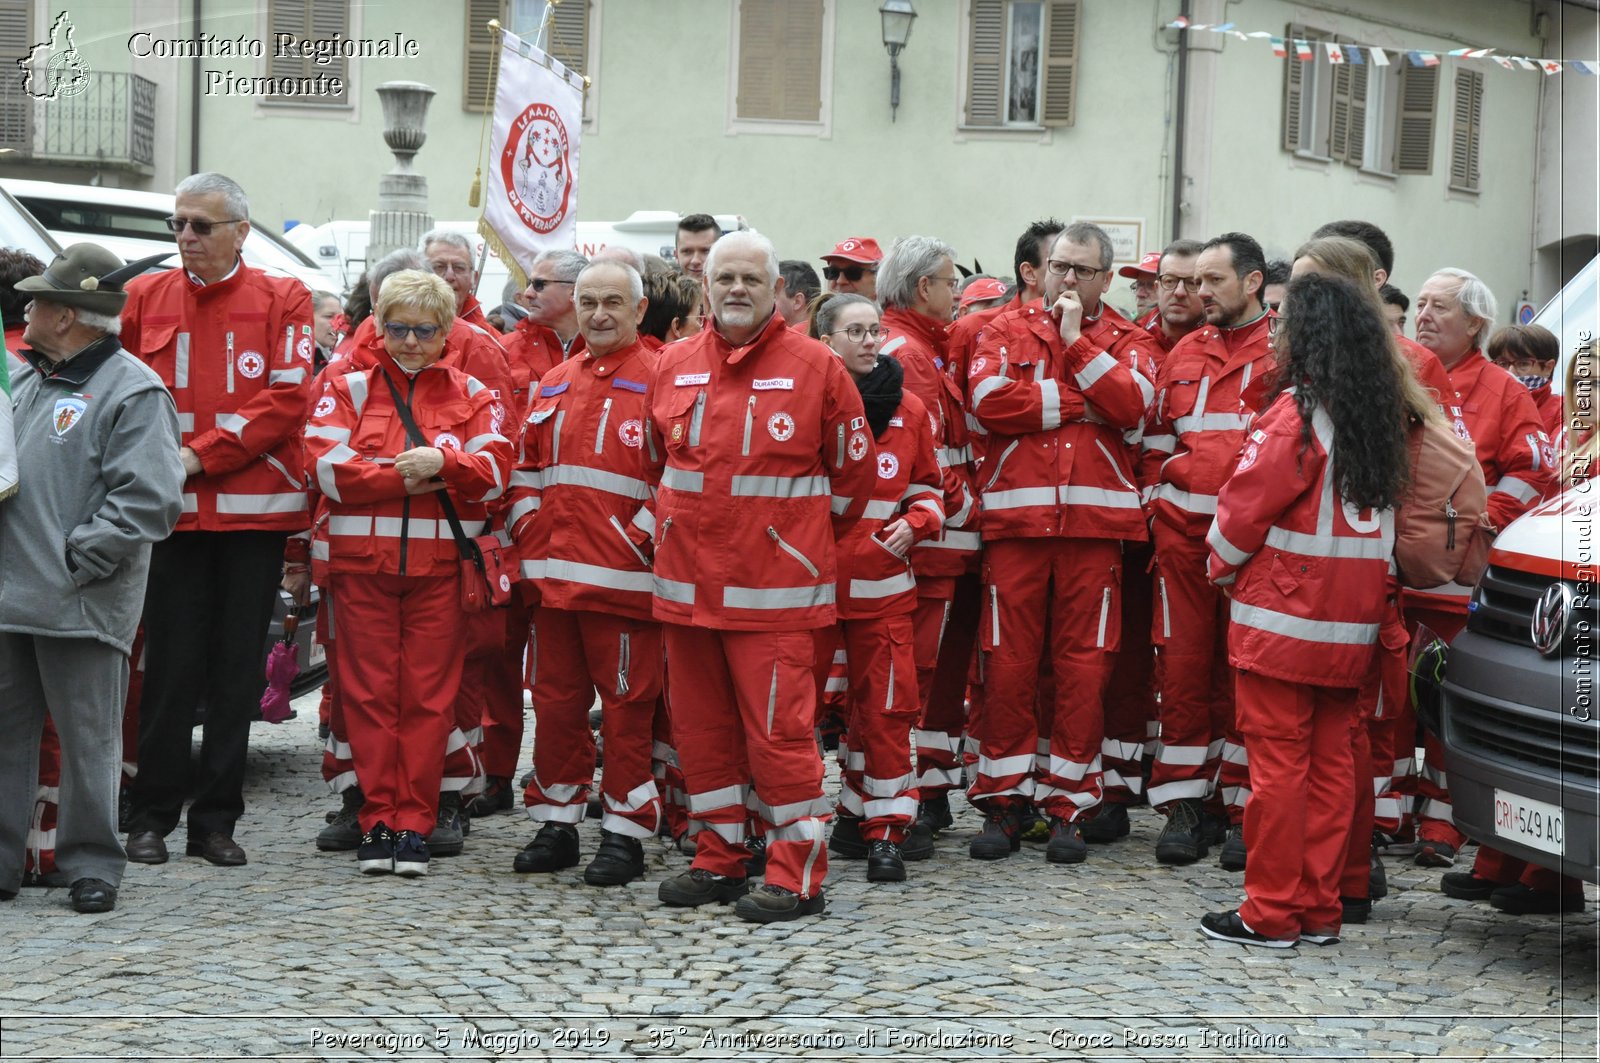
[
  {"x": 392, "y": 559},
  {"x": 877, "y": 597},
  {"x": 1303, "y": 540}
]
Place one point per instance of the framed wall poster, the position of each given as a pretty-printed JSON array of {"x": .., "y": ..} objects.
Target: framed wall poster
[{"x": 1127, "y": 238}]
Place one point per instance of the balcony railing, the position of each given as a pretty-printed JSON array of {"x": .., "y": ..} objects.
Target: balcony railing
[{"x": 111, "y": 123}]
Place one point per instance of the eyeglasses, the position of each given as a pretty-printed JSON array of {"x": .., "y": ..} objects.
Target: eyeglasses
[
  {"x": 539, "y": 284},
  {"x": 1275, "y": 325},
  {"x": 954, "y": 282},
  {"x": 849, "y": 273},
  {"x": 857, "y": 332},
  {"x": 200, "y": 227},
  {"x": 1083, "y": 273},
  {"x": 398, "y": 332},
  {"x": 1169, "y": 283}
]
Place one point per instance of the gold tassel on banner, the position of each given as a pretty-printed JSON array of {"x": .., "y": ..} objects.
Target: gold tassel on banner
[
  {"x": 475, "y": 194},
  {"x": 491, "y": 240}
]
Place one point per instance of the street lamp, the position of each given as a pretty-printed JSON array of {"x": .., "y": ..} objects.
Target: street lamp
[{"x": 898, "y": 15}]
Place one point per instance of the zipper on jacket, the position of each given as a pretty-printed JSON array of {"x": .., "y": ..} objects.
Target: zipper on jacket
[
  {"x": 994, "y": 616},
  {"x": 1004, "y": 454},
  {"x": 622, "y": 662},
  {"x": 1450, "y": 525},
  {"x": 838, "y": 461},
  {"x": 1115, "y": 470},
  {"x": 772, "y": 533},
  {"x": 666, "y": 526},
  {"x": 230, "y": 363},
  {"x": 405, "y": 505},
  {"x": 749, "y": 421},
  {"x": 694, "y": 422},
  {"x": 555, "y": 438},
  {"x": 1105, "y": 614},
  {"x": 617, "y": 524},
  {"x": 600, "y": 433},
  {"x": 1166, "y": 612}
]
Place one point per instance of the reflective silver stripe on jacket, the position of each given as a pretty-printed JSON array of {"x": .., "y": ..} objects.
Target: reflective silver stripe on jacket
[
  {"x": 777, "y": 597},
  {"x": 780, "y": 486},
  {"x": 598, "y": 479},
  {"x": 1294, "y": 627},
  {"x": 866, "y": 589},
  {"x": 677, "y": 479},
  {"x": 390, "y": 527},
  {"x": 290, "y": 502},
  {"x": 597, "y": 576}
]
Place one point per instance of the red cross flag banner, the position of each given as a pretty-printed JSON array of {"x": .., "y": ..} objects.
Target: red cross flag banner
[{"x": 531, "y": 201}]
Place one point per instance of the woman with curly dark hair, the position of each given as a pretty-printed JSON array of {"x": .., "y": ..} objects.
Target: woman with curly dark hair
[{"x": 1303, "y": 537}]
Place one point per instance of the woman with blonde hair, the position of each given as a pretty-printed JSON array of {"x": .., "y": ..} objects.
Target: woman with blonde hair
[{"x": 404, "y": 451}]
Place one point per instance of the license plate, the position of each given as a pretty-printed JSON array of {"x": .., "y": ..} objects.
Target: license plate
[
  {"x": 317, "y": 654},
  {"x": 1533, "y": 823}
]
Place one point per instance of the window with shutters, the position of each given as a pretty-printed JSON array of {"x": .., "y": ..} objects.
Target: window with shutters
[
  {"x": 1374, "y": 116},
  {"x": 1022, "y": 63},
  {"x": 782, "y": 66},
  {"x": 1466, "y": 131},
  {"x": 305, "y": 22},
  {"x": 573, "y": 39},
  {"x": 16, "y": 109}
]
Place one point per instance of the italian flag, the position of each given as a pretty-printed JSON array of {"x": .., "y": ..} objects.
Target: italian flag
[{"x": 8, "y": 436}]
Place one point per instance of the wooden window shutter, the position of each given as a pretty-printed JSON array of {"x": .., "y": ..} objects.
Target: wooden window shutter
[
  {"x": 1467, "y": 130},
  {"x": 780, "y": 60},
  {"x": 317, "y": 20},
  {"x": 569, "y": 34},
  {"x": 1062, "y": 33},
  {"x": 1293, "y": 80},
  {"x": 482, "y": 59},
  {"x": 1356, "y": 147},
  {"x": 1339, "y": 119},
  {"x": 986, "y": 49},
  {"x": 1419, "y": 92},
  {"x": 16, "y": 109}
]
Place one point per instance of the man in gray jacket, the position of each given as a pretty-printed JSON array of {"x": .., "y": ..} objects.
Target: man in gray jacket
[{"x": 101, "y": 480}]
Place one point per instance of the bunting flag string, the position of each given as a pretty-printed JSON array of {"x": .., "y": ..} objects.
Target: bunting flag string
[{"x": 1339, "y": 52}]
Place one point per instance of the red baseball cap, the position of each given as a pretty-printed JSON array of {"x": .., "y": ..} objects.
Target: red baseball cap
[
  {"x": 1149, "y": 265},
  {"x": 863, "y": 249},
  {"x": 981, "y": 290}
]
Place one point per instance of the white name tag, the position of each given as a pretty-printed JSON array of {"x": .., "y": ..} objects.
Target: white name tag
[
  {"x": 777, "y": 383},
  {"x": 897, "y": 422},
  {"x": 691, "y": 380}
]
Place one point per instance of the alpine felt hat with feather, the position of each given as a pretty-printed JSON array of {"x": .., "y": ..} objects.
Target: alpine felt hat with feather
[{"x": 88, "y": 277}]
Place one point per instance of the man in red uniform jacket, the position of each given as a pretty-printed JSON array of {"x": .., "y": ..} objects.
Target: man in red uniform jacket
[
  {"x": 449, "y": 257},
  {"x": 757, "y": 444},
  {"x": 1058, "y": 503},
  {"x": 234, "y": 347}
]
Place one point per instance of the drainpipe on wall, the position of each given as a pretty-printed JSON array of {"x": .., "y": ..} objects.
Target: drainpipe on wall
[
  {"x": 1180, "y": 125},
  {"x": 194, "y": 95}
]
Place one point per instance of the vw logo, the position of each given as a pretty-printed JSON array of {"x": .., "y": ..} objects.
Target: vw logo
[{"x": 1549, "y": 626}]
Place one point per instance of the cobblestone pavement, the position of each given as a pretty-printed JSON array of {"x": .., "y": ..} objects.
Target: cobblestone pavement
[{"x": 298, "y": 956}]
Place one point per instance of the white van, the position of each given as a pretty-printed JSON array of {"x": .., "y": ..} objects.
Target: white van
[{"x": 340, "y": 247}]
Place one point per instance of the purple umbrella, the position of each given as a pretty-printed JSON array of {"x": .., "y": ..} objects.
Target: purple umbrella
[{"x": 283, "y": 664}]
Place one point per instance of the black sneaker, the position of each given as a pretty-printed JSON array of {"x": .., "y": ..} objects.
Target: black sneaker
[
  {"x": 755, "y": 865},
  {"x": 554, "y": 848},
  {"x": 1356, "y": 909},
  {"x": 934, "y": 810},
  {"x": 774, "y": 904},
  {"x": 1001, "y": 836},
  {"x": 1227, "y": 926},
  {"x": 618, "y": 861},
  {"x": 1180, "y": 841},
  {"x": 410, "y": 854},
  {"x": 698, "y": 886},
  {"x": 375, "y": 856},
  {"x": 885, "y": 862},
  {"x": 1377, "y": 879},
  {"x": 1434, "y": 854},
  {"x": 1320, "y": 937},
  {"x": 919, "y": 842},
  {"x": 1234, "y": 853},
  {"x": 496, "y": 797},
  {"x": 343, "y": 831},
  {"x": 1108, "y": 824},
  {"x": 846, "y": 841},
  {"x": 1213, "y": 827},
  {"x": 1067, "y": 845},
  {"x": 1465, "y": 886},
  {"x": 449, "y": 835},
  {"x": 1524, "y": 900}
]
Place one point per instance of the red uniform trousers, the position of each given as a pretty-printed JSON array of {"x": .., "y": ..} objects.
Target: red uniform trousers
[
  {"x": 577, "y": 655},
  {"x": 1191, "y": 627},
  {"x": 502, "y": 707},
  {"x": 486, "y": 646},
  {"x": 399, "y": 675},
  {"x": 1435, "y": 819},
  {"x": 743, "y": 710},
  {"x": 338, "y": 770},
  {"x": 1071, "y": 586},
  {"x": 1297, "y": 822},
  {"x": 1355, "y": 881},
  {"x": 1131, "y": 694},
  {"x": 943, "y": 692},
  {"x": 1507, "y": 870},
  {"x": 665, "y": 769},
  {"x": 1383, "y": 703},
  {"x": 878, "y": 785}
]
